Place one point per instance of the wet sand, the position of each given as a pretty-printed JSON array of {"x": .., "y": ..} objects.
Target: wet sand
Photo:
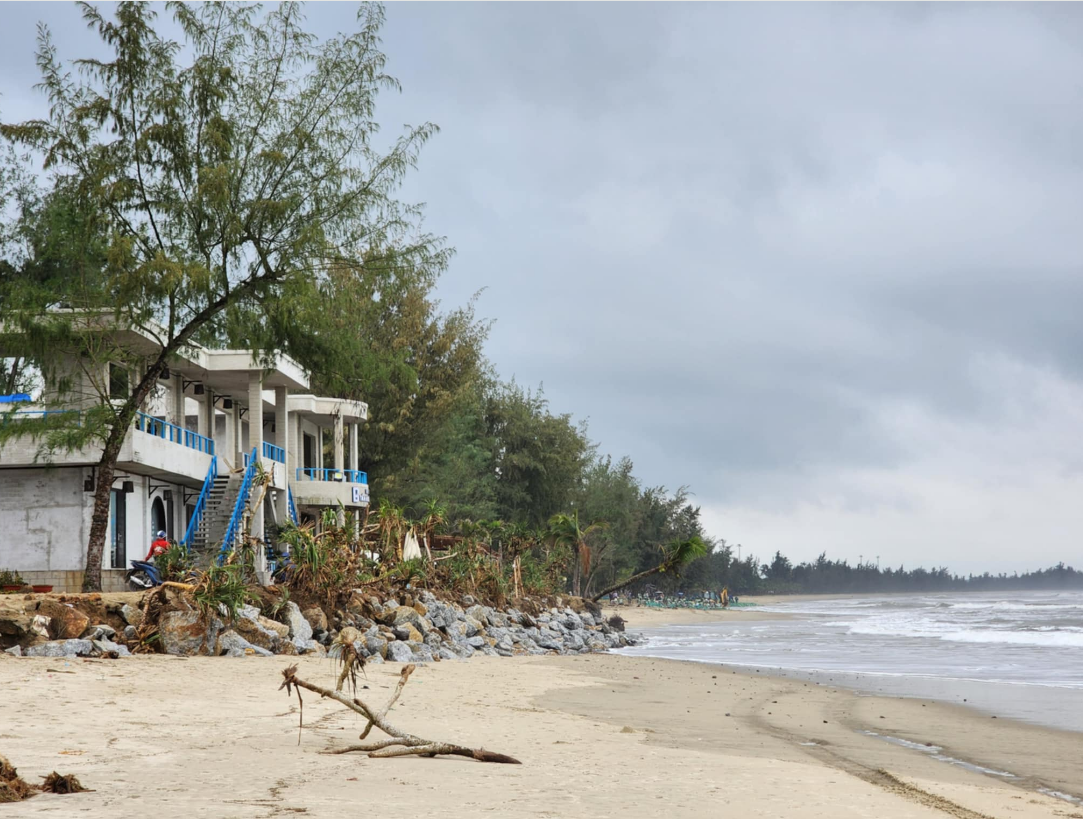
[{"x": 598, "y": 735}]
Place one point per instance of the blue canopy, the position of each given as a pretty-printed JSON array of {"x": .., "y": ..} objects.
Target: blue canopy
[{"x": 17, "y": 398}]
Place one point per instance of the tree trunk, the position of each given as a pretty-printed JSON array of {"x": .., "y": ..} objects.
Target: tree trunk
[
  {"x": 99, "y": 519},
  {"x": 107, "y": 466},
  {"x": 635, "y": 578},
  {"x": 13, "y": 376}
]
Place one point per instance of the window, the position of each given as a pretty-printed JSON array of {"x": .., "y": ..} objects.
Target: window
[{"x": 118, "y": 381}]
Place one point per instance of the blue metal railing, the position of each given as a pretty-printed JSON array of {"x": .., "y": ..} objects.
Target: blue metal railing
[
  {"x": 171, "y": 432},
  {"x": 292, "y": 505},
  {"x": 201, "y": 504},
  {"x": 238, "y": 507},
  {"x": 339, "y": 475},
  {"x": 275, "y": 453}
]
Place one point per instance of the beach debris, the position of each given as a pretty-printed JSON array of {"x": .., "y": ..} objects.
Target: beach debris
[
  {"x": 14, "y": 788},
  {"x": 398, "y": 742},
  {"x": 62, "y": 783},
  {"x": 347, "y": 651}
]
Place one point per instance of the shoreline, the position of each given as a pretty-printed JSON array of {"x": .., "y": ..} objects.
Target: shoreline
[
  {"x": 600, "y": 735},
  {"x": 1035, "y": 702},
  {"x": 950, "y": 748}
]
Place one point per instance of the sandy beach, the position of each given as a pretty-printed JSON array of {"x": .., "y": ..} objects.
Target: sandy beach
[{"x": 598, "y": 735}]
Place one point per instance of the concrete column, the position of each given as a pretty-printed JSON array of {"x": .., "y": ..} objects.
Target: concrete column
[
  {"x": 201, "y": 412},
  {"x": 228, "y": 449},
  {"x": 354, "y": 452},
  {"x": 238, "y": 439},
  {"x": 296, "y": 446},
  {"x": 176, "y": 400},
  {"x": 255, "y": 435},
  {"x": 208, "y": 413},
  {"x": 340, "y": 449},
  {"x": 319, "y": 447},
  {"x": 255, "y": 412},
  {"x": 340, "y": 458},
  {"x": 282, "y": 427}
]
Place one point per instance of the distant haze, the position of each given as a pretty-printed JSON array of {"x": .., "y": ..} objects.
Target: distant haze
[{"x": 822, "y": 263}]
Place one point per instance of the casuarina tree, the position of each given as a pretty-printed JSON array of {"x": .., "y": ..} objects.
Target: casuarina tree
[{"x": 229, "y": 161}]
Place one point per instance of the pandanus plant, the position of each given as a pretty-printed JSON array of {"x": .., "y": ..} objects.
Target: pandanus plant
[
  {"x": 391, "y": 528},
  {"x": 435, "y": 516}
]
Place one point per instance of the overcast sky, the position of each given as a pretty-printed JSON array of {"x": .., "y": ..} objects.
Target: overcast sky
[{"x": 821, "y": 263}]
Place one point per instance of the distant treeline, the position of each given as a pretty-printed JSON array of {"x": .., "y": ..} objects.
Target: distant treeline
[{"x": 824, "y": 576}]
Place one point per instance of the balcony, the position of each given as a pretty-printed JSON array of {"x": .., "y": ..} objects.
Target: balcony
[
  {"x": 337, "y": 475},
  {"x": 273, "y": 459},
  {"x": 166, "y": 450},
  {"x": 172, "y": 433},
  {"x": 154, "y": 447},
  {"x": 330, "y": 487},
  {"x": 274, "y": 453}
]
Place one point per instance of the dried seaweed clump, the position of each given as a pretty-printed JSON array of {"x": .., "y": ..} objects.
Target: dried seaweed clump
[
  {"x": 12, "y": 787},
  {"x": 57, "y": 783}
]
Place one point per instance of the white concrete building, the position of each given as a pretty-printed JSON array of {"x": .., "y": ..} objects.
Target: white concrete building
[{"x": 186, "y": 465}]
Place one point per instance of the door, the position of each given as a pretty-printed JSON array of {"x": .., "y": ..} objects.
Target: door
[
  {"x": 118, "y": 528},
  {"x": 158, "y": 520},
  {"x": 310, "y": 451},
  {"x": 170, "y": 515}
]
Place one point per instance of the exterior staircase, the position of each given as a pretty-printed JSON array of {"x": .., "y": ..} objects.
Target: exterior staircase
[{"x": 216, "y": 514}]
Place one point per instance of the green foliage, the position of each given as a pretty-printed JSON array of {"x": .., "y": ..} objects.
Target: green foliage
[
  {"x": 222, "y": 591},
  {"x": 565, "y": 531},
  {"x": 203, "y": 188},
  {"x": 538, "y": 457},
  {"x": 325, "y": 565},
  {"x": 374, "y": 333},
  {"x": 174, "y": 564},
  {"x": 455, "y": 465},
  {"x": 10, "y": 577},
  {"x": 545, "y": 573}
]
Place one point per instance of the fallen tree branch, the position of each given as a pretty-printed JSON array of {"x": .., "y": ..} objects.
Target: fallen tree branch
[{"x": 398, "y": 743}]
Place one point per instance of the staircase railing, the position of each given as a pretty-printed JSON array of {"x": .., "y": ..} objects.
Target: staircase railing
[
  {"x": 238, "y": 507},
  {"x": 201, "y": 504},
  {"x": 292, "y": 505}
]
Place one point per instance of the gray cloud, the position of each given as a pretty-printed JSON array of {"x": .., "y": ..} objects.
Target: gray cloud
[{"x": 818, "y": 257}]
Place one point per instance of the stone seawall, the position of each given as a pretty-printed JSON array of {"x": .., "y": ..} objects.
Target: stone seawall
[{"x": 418, "y": 628}]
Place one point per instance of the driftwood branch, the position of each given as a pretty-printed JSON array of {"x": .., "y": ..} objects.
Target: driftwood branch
[{"x": 398, "y": 742}]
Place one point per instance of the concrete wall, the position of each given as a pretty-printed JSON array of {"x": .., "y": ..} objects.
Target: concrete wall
[
  {"x": 27, "y": 451},
  {"x": 45, "y": 520}
]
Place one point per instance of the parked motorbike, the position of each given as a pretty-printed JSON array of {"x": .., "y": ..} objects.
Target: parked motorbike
[{"x": 142, "y": 576}]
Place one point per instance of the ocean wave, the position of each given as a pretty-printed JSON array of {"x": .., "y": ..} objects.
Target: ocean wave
[
  {"x": 1051, "y": 638},
  {"x": 1009, "y": 605}
]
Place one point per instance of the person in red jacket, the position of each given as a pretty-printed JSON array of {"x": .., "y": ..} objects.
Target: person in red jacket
[{"x": 159, "y": 545}]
